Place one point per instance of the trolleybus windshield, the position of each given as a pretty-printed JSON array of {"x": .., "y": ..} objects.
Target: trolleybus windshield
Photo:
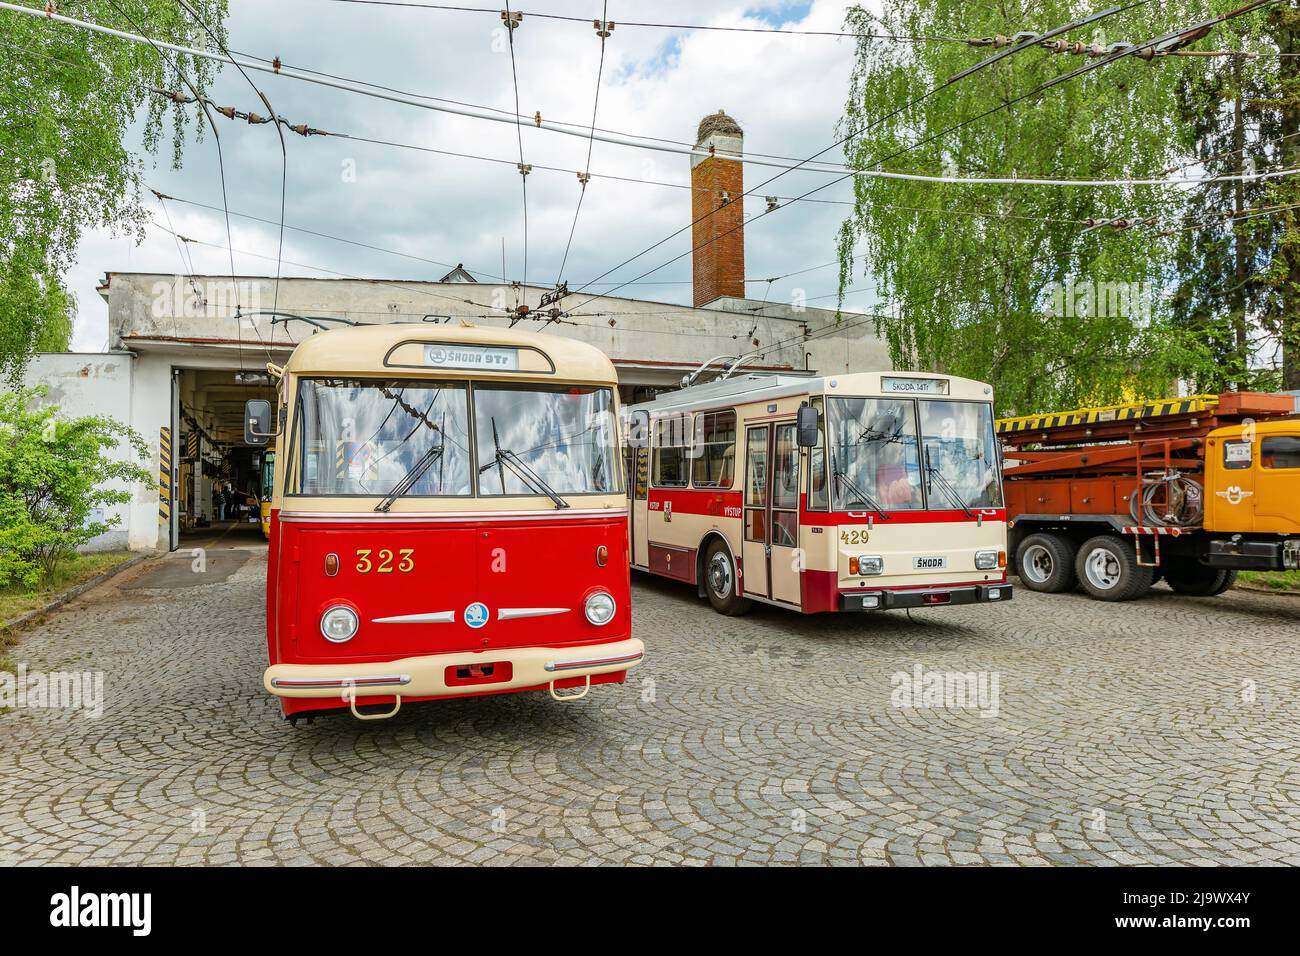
[
  {"x": 560, "y": 440},
  {"x": 961, "y": 448},
  {"x": 358, "y": 437},
  {"x": 873, "y": 450}
]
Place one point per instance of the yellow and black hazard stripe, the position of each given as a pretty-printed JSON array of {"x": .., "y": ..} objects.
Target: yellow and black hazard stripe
[
  {"x": 192, "y": 444},
  {"x": 341, "y": 456},
  {"x": 164, "y": 475},
  {"x": 1131, "y": 411}
]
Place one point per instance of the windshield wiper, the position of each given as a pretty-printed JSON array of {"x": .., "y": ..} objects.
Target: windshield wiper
[
  {"x": 947, "y": 487},
  {"x": 504, "y": 458},
  {"x": 862, "y": 496},
  {"x": 411, "y": 477}
]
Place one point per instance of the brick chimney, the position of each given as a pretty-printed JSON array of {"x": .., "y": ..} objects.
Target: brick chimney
[{"x": 718, "y": 183}]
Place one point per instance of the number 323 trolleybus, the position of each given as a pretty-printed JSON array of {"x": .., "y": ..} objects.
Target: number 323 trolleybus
[
  {"x": 447, "y": 519},
  {"x": 856, "y": 492}
]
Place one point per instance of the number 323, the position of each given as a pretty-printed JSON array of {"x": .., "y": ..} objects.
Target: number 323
[{"x": 383, "y": 563}]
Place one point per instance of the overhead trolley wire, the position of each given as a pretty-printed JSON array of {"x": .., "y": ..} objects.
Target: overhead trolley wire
[
  {"x": 988, "y": 61},
  {"x": 894, "y": 37},
  {"x": 159, "y": 47},
  {"x": 284, "y": 153},
  {"x": 511, "y": 24},
  {"x": 585, "y": 175}
]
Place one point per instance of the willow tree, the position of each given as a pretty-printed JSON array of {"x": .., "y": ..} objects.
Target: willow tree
[
  {"x": 1015, "y": 284},
  {"x": 68, "y": 98}
]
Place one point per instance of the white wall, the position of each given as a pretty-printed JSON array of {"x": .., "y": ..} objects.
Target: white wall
[{"x": 89, "y": 383}]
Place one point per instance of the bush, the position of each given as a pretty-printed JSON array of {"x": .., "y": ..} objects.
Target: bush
[{"x": 53, "y": 474}]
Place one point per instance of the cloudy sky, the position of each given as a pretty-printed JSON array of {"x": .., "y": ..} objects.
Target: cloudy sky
[{"x": 786, "y": 91}]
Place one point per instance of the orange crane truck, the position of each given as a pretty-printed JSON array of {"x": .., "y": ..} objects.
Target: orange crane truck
[{"x": 1191, "y": 490}]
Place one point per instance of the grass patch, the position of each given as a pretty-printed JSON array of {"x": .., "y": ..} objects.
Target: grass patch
[
  {"x": 1272, "y": 580},
  {"x": 78, "y": 569}
]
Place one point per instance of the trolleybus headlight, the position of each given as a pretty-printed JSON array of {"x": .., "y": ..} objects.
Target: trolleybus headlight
[
  {"x": 339, "y": 624},
  {"x": 986, "y": 560},
  {"x": 866, "y": 564},
  {"x": 599, "y": 608}
]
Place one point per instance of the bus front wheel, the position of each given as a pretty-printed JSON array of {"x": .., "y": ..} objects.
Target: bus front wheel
[{"x": 721, "y": 584}]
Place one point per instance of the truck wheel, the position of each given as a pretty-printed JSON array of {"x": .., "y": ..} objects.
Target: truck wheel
[
  {"x": 1045, "y": 562},
  {"x": 721, "y": 583},
  {"x": 1188, "y": 576},
  {"x": 1108, "y": 569}
]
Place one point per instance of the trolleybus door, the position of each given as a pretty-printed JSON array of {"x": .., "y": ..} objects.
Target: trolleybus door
[
  {"x": 771, "y": 541},
  {"x": 754, "y": 549},
  {"x": 785, "y": 561}
]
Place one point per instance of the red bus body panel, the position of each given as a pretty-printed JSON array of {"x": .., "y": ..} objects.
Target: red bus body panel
[{"x": 505, "y": 561}]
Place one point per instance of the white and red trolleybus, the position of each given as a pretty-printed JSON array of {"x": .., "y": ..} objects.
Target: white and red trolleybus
[
  {"x": 855, "y": 492},
  {"x": 448, "y": 519}
]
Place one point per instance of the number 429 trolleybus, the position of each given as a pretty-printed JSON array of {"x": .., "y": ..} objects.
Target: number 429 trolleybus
[
  {"x": 447, "y": 519},
  {"x": 855, "y": 492}
]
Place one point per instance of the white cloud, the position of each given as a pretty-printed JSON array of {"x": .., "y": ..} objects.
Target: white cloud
[{"x": 787, "y": 91}]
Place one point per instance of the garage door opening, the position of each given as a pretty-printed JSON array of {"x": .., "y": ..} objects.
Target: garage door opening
[{"x": 219, "y": 483}]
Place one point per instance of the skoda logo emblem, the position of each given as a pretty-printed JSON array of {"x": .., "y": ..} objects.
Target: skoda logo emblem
[
  {"x": 476, "y": 615},
  {"x": 435, "y": 355}
]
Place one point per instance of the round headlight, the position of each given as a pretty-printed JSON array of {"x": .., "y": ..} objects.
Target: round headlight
[
  {"x": 599, "y": 608},
  {"x": 339, "y": 624}
]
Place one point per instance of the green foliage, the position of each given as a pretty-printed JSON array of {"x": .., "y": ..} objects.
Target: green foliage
[
  {"x": 1228, "y": 286},
  {"x": 54, "y": 473},
  {"x": 968, "y": 273},
  {"x": 67, "y": 100}
]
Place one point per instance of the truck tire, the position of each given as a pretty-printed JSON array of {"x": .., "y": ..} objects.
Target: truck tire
[
  {"x": 1188, "y": 576},
  {"x": 1108, "y": 569},
  {"x": 721, "y": 583},
  {"x": 1045, "y": 562}
]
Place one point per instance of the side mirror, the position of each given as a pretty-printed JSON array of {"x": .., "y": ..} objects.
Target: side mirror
[
  {"x": 806, "y": 427},
  {"x": 257, "y": 422}
]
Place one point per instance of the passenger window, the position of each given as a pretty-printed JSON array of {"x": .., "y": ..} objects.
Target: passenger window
[
  {"x": 1279, "y": 451},
  {"x": 670, "y": 453},
  {"x": 715, "y": 466}
]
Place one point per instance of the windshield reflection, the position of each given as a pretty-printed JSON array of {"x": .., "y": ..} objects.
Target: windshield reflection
[
  {"x": 873, "y": 453},
  {"x": 877, "y": 464},
  {"x": 564, "y": 436},
  {"x": 358, "y": 437},
  {"x": 961, "y": 446}
]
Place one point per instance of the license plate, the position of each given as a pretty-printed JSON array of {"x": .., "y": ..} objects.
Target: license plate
[{"x": 931, "y": 563}]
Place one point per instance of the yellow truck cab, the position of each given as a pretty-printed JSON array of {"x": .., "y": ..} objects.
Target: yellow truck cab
[{"x": 1252, "y": 478}]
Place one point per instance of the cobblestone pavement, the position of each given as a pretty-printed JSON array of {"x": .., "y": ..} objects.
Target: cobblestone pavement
[{"x": 1166, "y": 730}]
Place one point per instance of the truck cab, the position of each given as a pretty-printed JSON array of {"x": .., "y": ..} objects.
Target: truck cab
[{"x": 1252, "y": 478}]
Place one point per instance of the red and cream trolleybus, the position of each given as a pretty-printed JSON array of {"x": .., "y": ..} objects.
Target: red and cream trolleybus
[
  {"x": 856, "y": 492},
  {"x": 448, "y": 519}
]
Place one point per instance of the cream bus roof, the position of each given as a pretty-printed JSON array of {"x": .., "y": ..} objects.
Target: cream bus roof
[
  {"x": 753, "y": 387},
  {"x": 364, "y": 350}
]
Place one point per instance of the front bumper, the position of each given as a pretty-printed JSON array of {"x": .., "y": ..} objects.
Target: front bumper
[
  {"x": 926, "y": 597},
  {"x": 426, "y": 676},
  {"x": 1248, "y": 555}
]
